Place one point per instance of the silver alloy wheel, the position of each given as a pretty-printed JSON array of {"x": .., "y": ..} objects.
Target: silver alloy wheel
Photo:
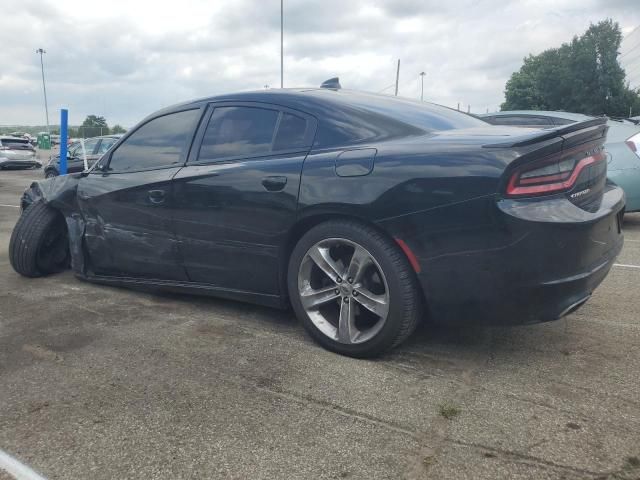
[{"x": 343, "y": 290}]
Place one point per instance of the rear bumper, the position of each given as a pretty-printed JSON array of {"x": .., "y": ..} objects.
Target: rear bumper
[
  {"x": 518, "y": 262},
  {"x": 14, "y": 163}
]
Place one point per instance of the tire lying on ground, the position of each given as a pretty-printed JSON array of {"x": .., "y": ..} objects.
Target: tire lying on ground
[
  {"x": 39, "y": 242},
  {"x": 353, "y": 289}
]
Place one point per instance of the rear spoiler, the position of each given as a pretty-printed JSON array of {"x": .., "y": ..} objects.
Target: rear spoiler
[{"x": 591, "y": 129}]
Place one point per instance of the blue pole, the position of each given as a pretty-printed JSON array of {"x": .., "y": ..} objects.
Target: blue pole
[{"x": 64, "y": 114}]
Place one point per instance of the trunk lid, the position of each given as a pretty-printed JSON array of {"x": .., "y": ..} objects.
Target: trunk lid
[{"x": 568, "y": 160}]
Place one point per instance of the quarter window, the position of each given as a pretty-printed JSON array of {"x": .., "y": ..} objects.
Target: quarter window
[
  {"x": 291, "y": 132},
  {"x": 238, "y": 131},
  {"x": 158, "y": 143}
]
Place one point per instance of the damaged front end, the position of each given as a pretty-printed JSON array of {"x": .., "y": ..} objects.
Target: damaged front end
[{"x": 60, "y": 193}]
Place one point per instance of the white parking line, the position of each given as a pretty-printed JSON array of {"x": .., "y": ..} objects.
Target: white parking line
[
  {"x": 12, "y": 206},
  {"x": 624, "y": 265},
  {"x": 17, "y": 469}
]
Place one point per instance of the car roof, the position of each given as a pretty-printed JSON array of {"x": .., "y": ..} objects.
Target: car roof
[
  {"x": 544, "y": 113},
  {"x": 291, "y": 97},
  {"x": 329, "y": 102}
]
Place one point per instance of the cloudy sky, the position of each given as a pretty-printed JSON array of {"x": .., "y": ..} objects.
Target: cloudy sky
[{"x": 124, "y": 59}]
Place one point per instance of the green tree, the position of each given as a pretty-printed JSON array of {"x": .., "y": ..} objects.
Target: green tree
[
  {"x": 93, "y": 126},
  {"x": 118, "y": 129},
  {"x": 95, "y": 121},
  {"x": 583, "y": 76}
]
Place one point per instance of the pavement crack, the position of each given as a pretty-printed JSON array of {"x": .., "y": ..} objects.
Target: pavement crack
[
  {"x": 525, "y": 457},
  {"x": 346, "y": 412}
]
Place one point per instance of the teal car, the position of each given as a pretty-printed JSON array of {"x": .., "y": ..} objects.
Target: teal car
[{"x": 623, "y": 144}]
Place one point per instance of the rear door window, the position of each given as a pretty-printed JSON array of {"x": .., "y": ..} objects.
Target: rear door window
[{"x": 238, "y": 132}]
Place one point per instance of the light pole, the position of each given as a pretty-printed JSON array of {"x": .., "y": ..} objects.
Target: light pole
[
  {"x": 281, "y": 43},
  {"x": 44, "y": 88},
  {"x": 422, "y": 74}
]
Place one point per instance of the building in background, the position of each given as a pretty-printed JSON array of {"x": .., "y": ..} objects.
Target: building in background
[{"x": 630, "y": 57}]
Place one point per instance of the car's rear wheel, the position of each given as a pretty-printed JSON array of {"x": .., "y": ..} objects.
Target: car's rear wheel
[
  {"x": 50, "y": 174},
  {"x": 353, "y": 289},
  {"x": 39, "y": 242}
]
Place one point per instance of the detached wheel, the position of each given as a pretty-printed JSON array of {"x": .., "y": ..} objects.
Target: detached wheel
[
  {"x": 353, "y": 289},
  {"x": 39, "y": 242}
]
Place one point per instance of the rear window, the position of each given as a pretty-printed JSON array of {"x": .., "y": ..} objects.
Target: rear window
[
  {"x": 352, "y": 118},
  {"x": 14, "y": 141},
  {"x": 520, "y": 120},
  {"x": 562, "y": 121}
]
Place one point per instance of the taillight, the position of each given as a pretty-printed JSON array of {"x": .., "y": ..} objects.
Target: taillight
[
  {"x": 549, "y": 176},
  {"x": 634, "y": 143}
]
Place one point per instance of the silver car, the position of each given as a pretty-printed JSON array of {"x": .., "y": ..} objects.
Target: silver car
[{"x": 17, "y": 153}]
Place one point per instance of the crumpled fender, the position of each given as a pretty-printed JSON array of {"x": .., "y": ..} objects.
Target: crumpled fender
[{"x": 60, "y": 194}]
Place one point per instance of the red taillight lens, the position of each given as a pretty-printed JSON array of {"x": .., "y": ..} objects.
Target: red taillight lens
[{"x": 550, "y": 177}]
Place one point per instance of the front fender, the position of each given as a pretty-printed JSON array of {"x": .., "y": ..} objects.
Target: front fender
[{"x": 60, "y": 193}]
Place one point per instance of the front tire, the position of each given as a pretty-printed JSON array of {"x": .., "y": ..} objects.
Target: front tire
[
  {"x": 39, "y": 242},
  {"x": 353, "y": 289}
]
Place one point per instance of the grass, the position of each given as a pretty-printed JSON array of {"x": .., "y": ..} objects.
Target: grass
[{"x": 448, "y": 410}]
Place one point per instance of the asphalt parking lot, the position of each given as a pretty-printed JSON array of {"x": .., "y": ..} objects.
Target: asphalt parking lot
[{"x": 105, "y": 383}]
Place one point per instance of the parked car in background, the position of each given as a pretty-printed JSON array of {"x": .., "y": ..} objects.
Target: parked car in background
[
  {"x": 359, "y": 210},
  {"x": 94, "y": 147},
  {"x": 622, "y": 146},
  {"x": 55, "y": 139},
  {"x": 32, "y": 140},
  {"x": 17, "y": 152}
]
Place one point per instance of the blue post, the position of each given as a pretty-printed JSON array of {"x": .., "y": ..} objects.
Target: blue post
[{"x": 64, "y": 114}]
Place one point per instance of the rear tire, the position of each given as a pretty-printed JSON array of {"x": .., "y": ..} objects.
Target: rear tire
[
  {"x": 39, "y": 242},
  {"x": 386, "y": 306}
]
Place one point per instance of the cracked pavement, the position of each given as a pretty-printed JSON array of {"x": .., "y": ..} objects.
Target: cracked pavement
[{"x": 99, "y": 382}]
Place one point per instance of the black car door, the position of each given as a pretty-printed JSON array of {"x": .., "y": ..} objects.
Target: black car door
[
  {"x": 236, "y": 197},
  {"x": 126, "y": 200}
]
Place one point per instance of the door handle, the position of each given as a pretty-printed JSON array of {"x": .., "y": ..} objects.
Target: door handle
[
  {"x": 274, "y": 183},
  {"x": 156, "y": 196}
]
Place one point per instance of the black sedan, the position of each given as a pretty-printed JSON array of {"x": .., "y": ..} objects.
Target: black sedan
[
  {"x": 363, "y": 212},
  {"x": 94, "y": 148}
]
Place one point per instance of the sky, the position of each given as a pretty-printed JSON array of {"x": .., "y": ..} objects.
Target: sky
[{"x": 124, "y": 59}]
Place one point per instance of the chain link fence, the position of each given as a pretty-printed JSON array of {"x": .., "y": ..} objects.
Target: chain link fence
[{"x": 88, "y": 132}]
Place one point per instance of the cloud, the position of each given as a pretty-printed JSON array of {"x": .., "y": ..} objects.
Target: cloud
[{"x": 125, "y": 61}]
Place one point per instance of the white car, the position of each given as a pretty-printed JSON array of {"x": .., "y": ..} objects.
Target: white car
[{"x": 17, "y": 153}]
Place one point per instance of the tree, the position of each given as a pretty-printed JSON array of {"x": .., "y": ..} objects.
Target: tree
[
  {"x": 95, "y": 121},
  {"x": 583, "y": 76},
  {"x": 118, "y": 129},
  {"x": 93, "y": 126}
]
